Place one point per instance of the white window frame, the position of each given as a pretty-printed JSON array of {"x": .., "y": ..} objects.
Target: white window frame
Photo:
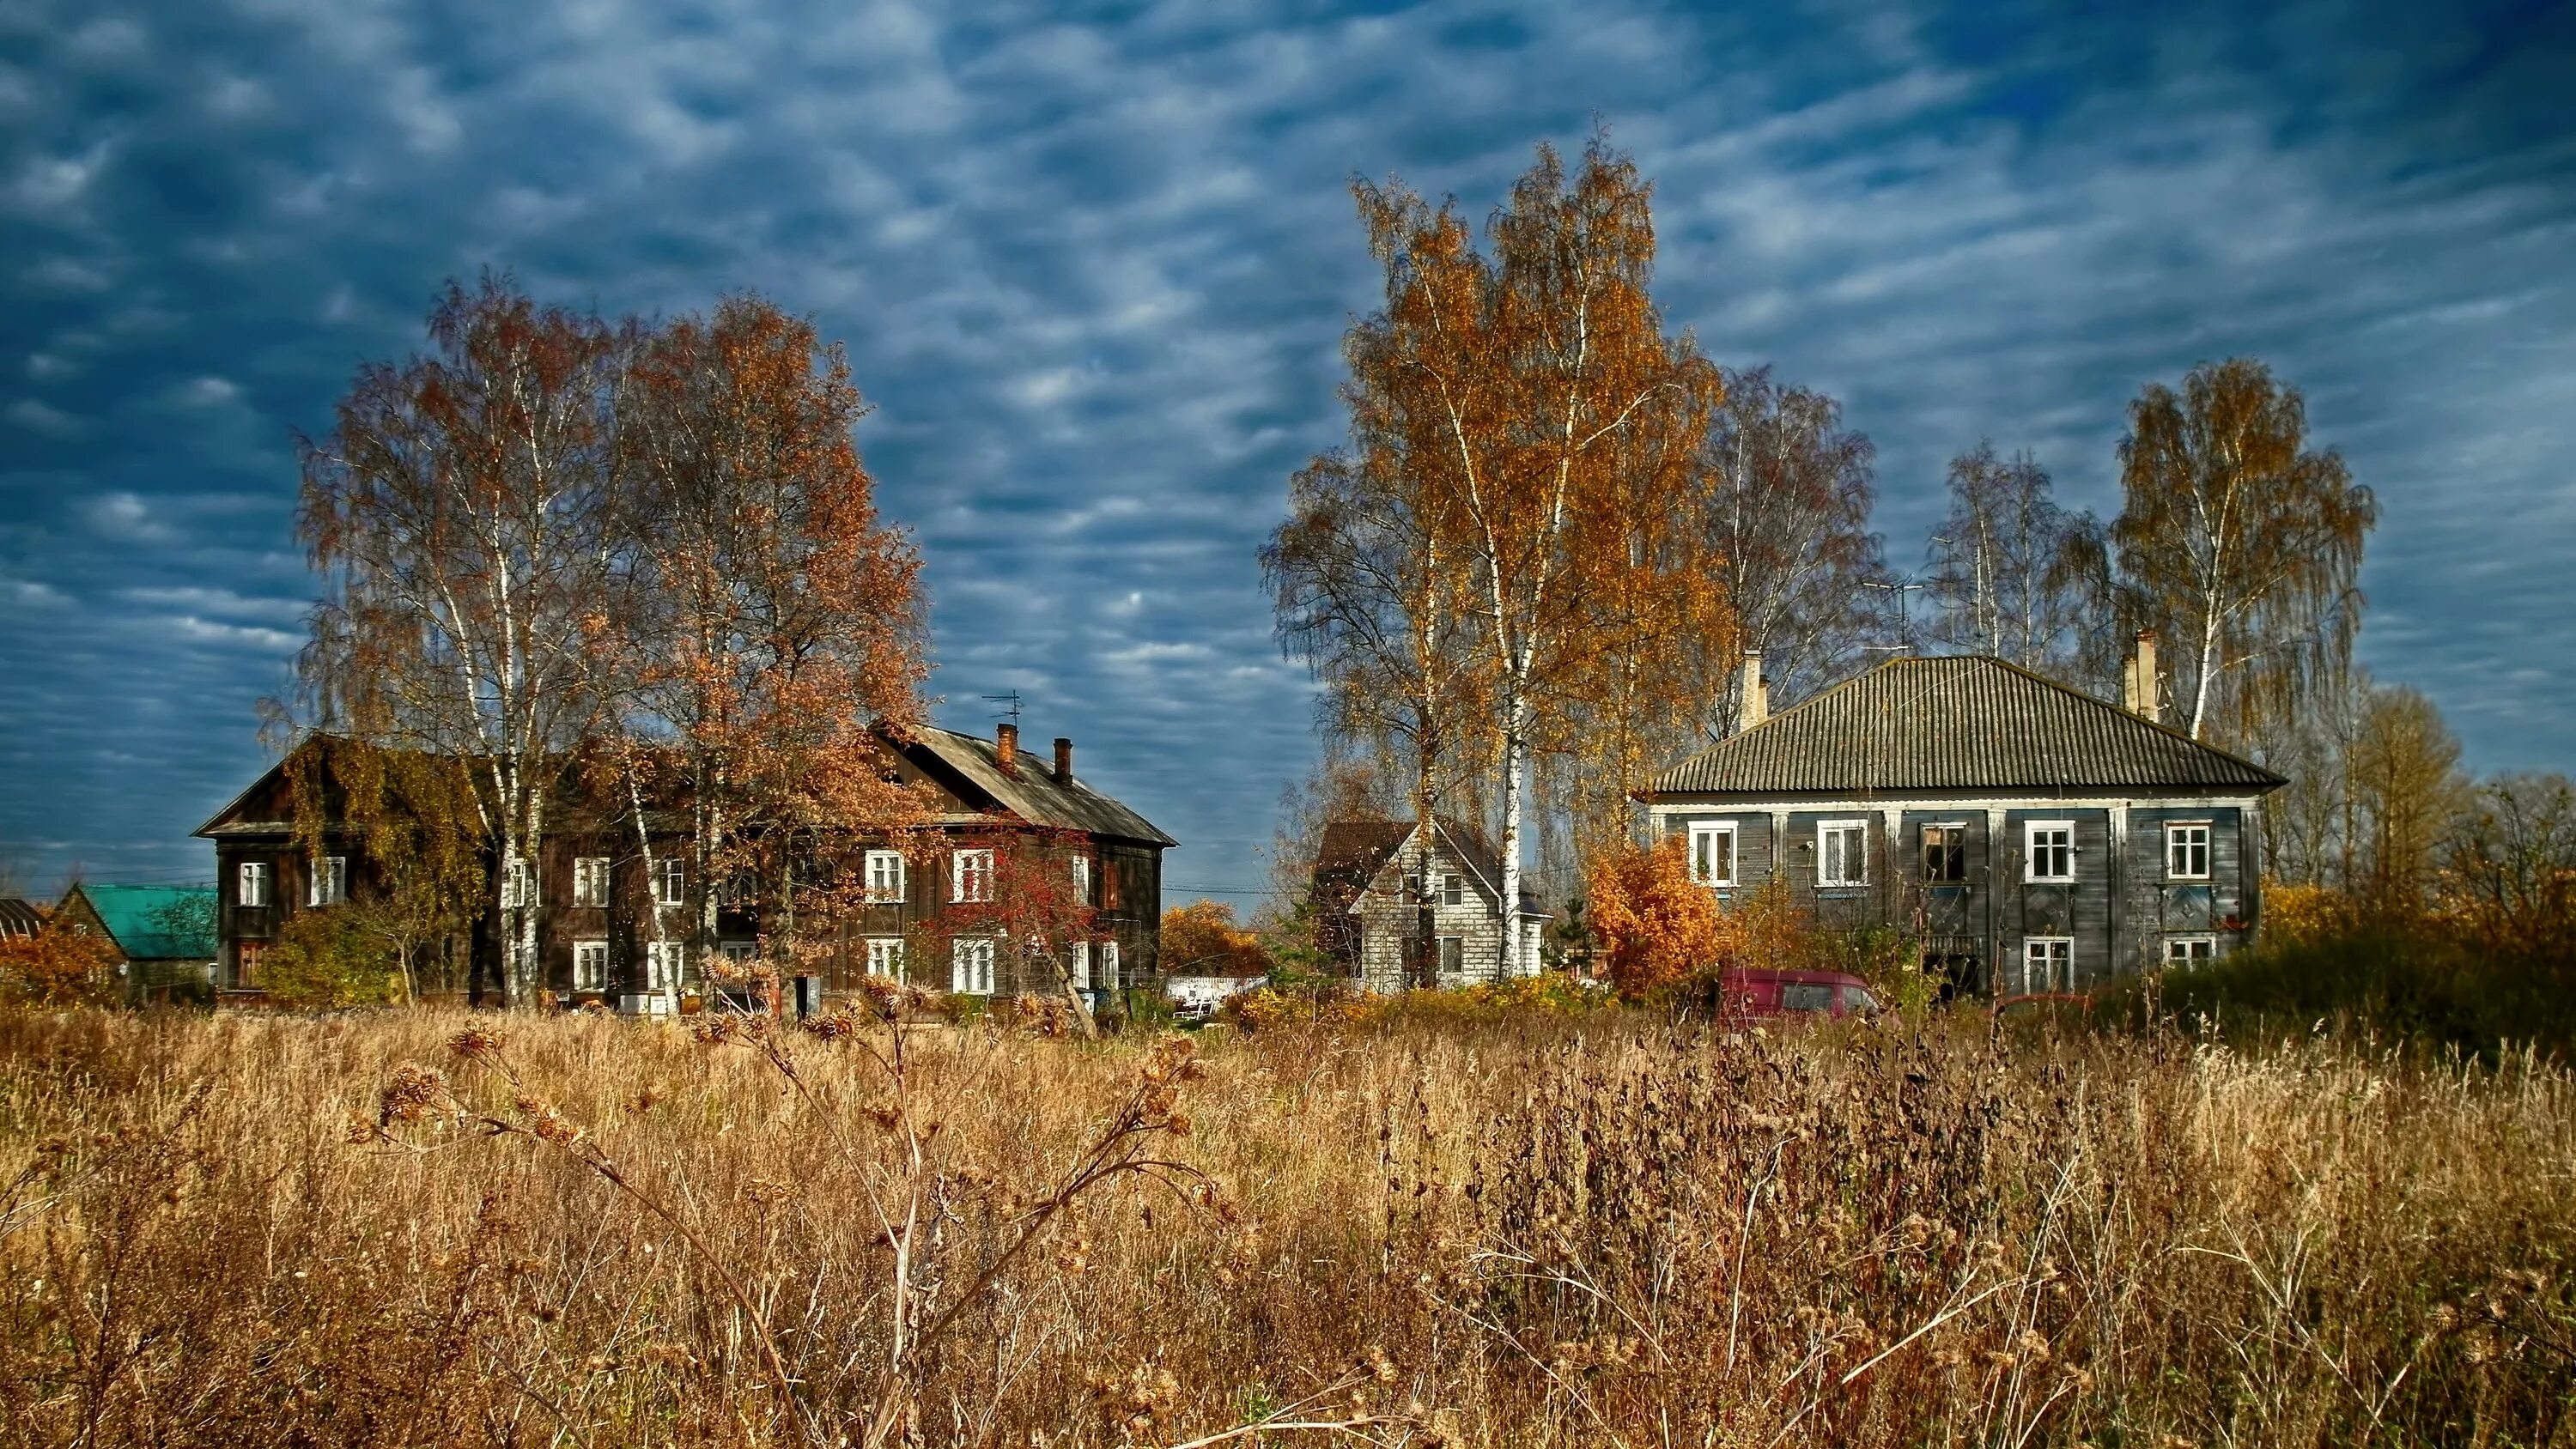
[
  {"x": 2178, "y": 838},
  {"x": 518, "y": 885},
  {"x": 2177, "y": 949},
  {"x": 671, "y": 882},
  {"x": 738, "y": 950},
  {"x": 251, "y": 883},
  {"x": 590, "y": 965},
  {"x": 590, "y": 880},
  {"x": 885, "y": 877},
  {"x": 1109, "y": 964},
  {"x": 1082, "y": 879},
  {"x": 666, "y": 964},
  {"x": 1712, "y": 830},
  {"x": 970, "y": 966},
  {"x": 1453, "y": 889},
  {"x": 326, "y": 882},
  {"x": 2030, "y": 851},
  {"x": 2055, "y": 952},
  {"x": 970, "y": 876},
  {"x": 885, "y": 956},
  {"x": 1079, "y": 958},
  {"x": 1824, "y": 854}
]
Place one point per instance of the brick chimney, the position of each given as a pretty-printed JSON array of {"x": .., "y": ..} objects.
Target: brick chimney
[
  {"x": 1006, "y": 748},
  {"x": 1063, "y": 760},
  {"x": 1753, "y": 698},
  {"x": 2138, "y": 692}
]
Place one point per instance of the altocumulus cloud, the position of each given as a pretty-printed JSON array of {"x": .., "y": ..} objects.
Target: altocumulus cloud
[{"x": 1093, "y": 270}]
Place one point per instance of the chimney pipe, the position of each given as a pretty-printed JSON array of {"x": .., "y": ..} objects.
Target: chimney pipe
[
  {"x": 1753, "y": 697},
  {"x": 1063, "y": 760},
  {"x": 2138, "y": 680},
  {"x": 1006, "y": 748}
]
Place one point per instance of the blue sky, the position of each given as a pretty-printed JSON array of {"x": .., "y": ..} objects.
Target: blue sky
[{"x": 1093, "y": 266}]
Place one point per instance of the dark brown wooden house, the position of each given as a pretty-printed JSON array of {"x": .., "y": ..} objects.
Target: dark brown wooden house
[
  {"x": 2031, "y": 837},
  {"x": 945, "y": 908}
]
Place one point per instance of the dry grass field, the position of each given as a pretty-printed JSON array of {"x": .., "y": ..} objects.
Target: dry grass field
[{"x": 424, "y": 1228}]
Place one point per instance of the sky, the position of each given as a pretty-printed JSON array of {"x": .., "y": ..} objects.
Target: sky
[{"x": 1093, "y": 266}]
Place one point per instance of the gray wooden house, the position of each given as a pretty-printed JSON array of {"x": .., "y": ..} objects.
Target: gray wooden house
[
  {"x": 1401, "y": 907},
  {"x": 2031, "y": 837}
]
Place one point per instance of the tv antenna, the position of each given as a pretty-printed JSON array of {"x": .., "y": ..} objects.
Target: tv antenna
[
  {"x": 1007, "y": 697},
  {"x": 1904, "y": 623}
]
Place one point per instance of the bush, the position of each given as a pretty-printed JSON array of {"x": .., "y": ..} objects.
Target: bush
[
  {"x": 328, "y": 958},
  {"x": 56, "y": 967}
]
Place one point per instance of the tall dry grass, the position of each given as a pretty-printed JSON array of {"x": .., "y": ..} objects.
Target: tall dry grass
[{"x": 265, "y": 1230}]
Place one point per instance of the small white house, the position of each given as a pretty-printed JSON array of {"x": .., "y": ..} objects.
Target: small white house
[{"x": 1402, "y": 906}]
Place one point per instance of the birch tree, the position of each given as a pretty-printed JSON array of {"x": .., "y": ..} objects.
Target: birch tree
[
  {"x": 2007, "y": 568},
  {"x": 2238, "y": 545},
  {"x": 457, "y": 517},
  {"x": 1783, "y": 500}
]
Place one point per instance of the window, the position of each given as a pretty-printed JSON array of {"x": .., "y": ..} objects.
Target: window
[
  {"x": 2051, "y": 850},
  {"x": 329, "y": 883},
  {"x": 971, "y": 877},
  {"x": 1842, "y": 853},
  {"x": 589, "y": 965},
  {"x": 2187, "y": 852},
  {"x": 1712, "y": 852},
  {"x": 2048, "y": 964},
  {"x": 2188, "y": 951},
  {"x": 885, "y": 956},
  {"x": 518, "y": 885},
  {"x": 671, "y": 883},
  {"x": 1081, "y": 961},
  {"x": 1806, "y": 996},
  {"x": 663, "y": 961},
  {"x": 1453, "y": 955},
  {"x": 885, "y": 876},
  {"x": 1082, "y": 879},
  {"x": 251, "y": 887},
  {"x": 1109, "y": 963},
  {"x": 738, "y": 952},
  {"x": 1453, "y": 890},
  {"x": 1945, "y": 854},
  {"x": 970, "y": 965},
  {"x": 590, "y": 880}
]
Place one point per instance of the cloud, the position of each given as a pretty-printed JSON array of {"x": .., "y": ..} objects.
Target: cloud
[{"x": 1093, "y": 271}]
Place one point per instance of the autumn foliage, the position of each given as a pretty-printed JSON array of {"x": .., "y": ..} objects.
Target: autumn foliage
[
  {"x": 1659, "y": 929},
  {"x": 1202, "y": 939},
  {"x": 56, "y": 968}
]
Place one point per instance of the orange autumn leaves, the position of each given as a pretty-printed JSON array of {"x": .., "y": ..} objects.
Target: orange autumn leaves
[{"x": 1661, "y": 931}]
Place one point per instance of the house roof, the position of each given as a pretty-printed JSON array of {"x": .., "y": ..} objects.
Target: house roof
[
  {"x": 19, "y": 917},
  {"x": 1958, "y": 722},
  {"x": 155, "y": 923},
  {"x": 1031, "y": 791},
  {"x": 1352, "y": 852}
]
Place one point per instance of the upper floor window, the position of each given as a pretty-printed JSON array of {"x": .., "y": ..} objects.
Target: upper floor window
[
  {"x": 1453, "y": 890},
  {"x": 590, "y": 880},
  {"x": 671, "y": 883},
  {"x": 2187, "y": 852},
  {"x": 971, "y": 876},
  {"x": 1945, "y": 854},
  {"x": 2050, "y": 850},
  {"x": 1082, "y": 879},
  {"x": 329, "y": 883},
  {"x": 885, "y": 876},
  {"x": 518, "y": 885},
  {"x": 1712, "y": 852},
  {"x": 1842, "y": 853},
  {"x": 250, "y": 886}
]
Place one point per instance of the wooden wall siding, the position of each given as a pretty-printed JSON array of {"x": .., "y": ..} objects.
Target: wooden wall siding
[
  {"x": 1754, "y": 854},
  {"x": 2161, "y": 907},
  {"x": 1390, "y": 923},
  {"x": 2081, "y": 911}
]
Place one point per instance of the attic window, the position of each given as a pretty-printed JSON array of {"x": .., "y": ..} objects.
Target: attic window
[{"x": 1453, "y": 891}]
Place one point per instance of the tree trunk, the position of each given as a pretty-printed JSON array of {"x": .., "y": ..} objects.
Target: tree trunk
[{"x": 1515, "y": 773}]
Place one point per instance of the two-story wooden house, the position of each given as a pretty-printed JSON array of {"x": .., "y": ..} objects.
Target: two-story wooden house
[
  {"x": 1399, "y": 906},
  {"x": 2032, "y": 837},
  {"x": 948, "y": 905}
]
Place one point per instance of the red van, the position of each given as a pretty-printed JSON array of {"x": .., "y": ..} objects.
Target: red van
[{"x": 1794, "y": 993}]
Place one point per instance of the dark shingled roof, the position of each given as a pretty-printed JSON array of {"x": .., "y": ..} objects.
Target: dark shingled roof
[
  {"x": 1353, "y": 851},
  {"x": 19, "y": 918},
  {"x": 1030, "y": 791},
  {"x": 1961, "y": 722}
]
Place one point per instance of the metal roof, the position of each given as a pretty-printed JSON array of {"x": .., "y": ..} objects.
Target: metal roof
[
  {"x": 1352, "y": 852},
  {"x": 1959, "y": 722},
  {"x": 19, "y": 918},
  {"x": 155, "y": 923},
  {"x": 1030, "y": 791}
]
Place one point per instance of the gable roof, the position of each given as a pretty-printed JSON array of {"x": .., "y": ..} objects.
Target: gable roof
[
  {"x": 1956, "y": 722},
  {"x": 141, "y": 919},
  {"x": 19, "y": 917},
  {"x": 1031, "y": 792},
  {"x": 1352, "y": 852}
]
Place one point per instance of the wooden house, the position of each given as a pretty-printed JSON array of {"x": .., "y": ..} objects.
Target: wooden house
[
  {"x": 1400, "y": 906},
  {"x": 2031, "y": 837},
  {"x": 944, "y": 908},
  {"x": 162, "y": 937}
]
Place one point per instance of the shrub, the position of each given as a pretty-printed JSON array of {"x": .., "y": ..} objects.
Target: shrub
[
  {"x": 56, "y": 967},
  {"x": 328, "y": 958}
]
